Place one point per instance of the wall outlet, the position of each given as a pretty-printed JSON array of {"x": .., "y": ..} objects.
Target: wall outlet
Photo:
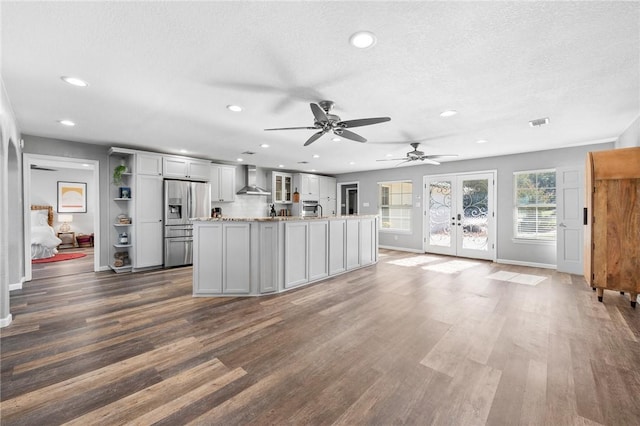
[{"x": 365, "y": 204}]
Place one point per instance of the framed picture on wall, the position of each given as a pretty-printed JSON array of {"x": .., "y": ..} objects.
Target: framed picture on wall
[{"x": 72, "y": 197}]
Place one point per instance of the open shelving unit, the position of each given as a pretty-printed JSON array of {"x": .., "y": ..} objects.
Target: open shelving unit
[{"x": 122, "y": 206}]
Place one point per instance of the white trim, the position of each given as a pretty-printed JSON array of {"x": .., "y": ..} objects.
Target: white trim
[
  {"x": 103, "y": 268},
  {"x": 4, "y": 322},
  {"x": 530, "y": 264},
  {"x": 16, "y": 286},
  {"x": 339, "y": 196},
  {"x": 64, "y": 162},
  {"x": 410, "y": 250}
]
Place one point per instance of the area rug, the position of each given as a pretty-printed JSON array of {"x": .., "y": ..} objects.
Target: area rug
[{"x": 59, "y": 257}]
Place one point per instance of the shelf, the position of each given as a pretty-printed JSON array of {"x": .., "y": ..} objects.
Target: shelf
[
  {"x": 122, "y": 245},
  {"x": 122, "y": 199},
  {"x": 121, "y": 224},
  {"x": 119, "y": 269}
]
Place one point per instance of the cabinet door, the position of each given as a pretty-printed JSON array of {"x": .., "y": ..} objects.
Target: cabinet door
[
  {"x": 296, "y": 254},
  {"x": 207, "y": 259},
  {"x": 215, "y": 184},
  {"x": 353, "y": 244},
  {"x": 174, "y": 167},
  {"x": 268, "y": 257},
  {"x": 199, "y": 170},
  {"x": 367, "y": 241},
  {"x": 318, "y": 249},
  {"x": 227, "y": 183},
  {"x": 327, "y": 188},
  {"x": 237, "y": 258},
  {"x": 148, "y": 164},
  {"x": 148, "y": 221},
  {"x": 337, "y": 234}
]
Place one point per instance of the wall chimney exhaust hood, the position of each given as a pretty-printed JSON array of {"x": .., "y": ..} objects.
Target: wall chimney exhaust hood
[{"x": 250, "y": 180}]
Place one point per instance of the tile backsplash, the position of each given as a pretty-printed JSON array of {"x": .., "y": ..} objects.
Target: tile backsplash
[{"x": 245, "y": 206}]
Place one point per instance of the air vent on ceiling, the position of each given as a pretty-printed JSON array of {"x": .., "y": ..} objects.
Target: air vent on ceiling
[
  {"x": 539, "y": 122},
  {"x": 248, "y": 152},
  {"x": 303, "y": 162}
]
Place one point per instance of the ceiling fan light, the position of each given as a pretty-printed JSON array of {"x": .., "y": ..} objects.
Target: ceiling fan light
[{"x": 362, "y": 39}]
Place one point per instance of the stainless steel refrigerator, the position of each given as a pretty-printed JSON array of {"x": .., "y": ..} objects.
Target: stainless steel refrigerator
[{"x": 182, "y": 200}]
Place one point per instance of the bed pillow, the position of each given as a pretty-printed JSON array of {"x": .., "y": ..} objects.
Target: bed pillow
[{"x": 39, "y": 218}]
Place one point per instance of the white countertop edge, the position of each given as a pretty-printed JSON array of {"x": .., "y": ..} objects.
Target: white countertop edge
[{"x": 197, "y": 220}]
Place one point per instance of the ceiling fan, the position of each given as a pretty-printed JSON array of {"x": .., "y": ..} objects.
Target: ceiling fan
[
  {"x": 417, "y": 155},
  {"x": 325, "y": 122}
]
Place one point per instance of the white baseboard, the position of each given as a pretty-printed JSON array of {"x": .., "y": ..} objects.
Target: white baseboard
[
  {"x": 4, "y": 322},
  {"x": 17, "y": 286},
  {"x": 410, "y": 250},
  {"x": 104, "y": 268},
  {"x": 530, "y": 264}
]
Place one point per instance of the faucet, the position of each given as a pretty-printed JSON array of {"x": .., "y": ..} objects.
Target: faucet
[{"x": 316, "y": 210}]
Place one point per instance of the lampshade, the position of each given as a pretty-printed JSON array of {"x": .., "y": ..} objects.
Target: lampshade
[{"x": 65, "y": 219}]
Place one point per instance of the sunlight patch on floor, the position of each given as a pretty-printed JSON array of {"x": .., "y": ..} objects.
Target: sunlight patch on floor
[
  {"x": 413, "y": 261},
  {"x": 514, "y": 277},
  {"x": 451, "y": 267}
]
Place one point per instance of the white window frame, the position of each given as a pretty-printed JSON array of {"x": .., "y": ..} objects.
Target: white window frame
[
  {"x": 537, "y": 238},
  {"x": 408, "y": 207}
]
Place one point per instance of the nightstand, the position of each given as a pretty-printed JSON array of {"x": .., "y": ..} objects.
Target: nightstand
[{"x": 68, "y": 239}]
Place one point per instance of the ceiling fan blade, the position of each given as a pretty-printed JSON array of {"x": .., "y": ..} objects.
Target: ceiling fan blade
[
  {"x": 319, "y": 113},
  {"x": 405, "y": 161},
  {"x": 349, "y": 135},
  {"x": 392, "y": 159},
  {"x": 429, "y": 161},
  {"x": 442, "y": 156},
  {"x": 293, "y": 128},
  {"x": 362, "y": 122},
  {"x": 314, "y": 137}
]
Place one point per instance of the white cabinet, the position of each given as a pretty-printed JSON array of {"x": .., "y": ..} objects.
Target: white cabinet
[
  {"x": 268, "y": 241},
  {"x": 318, "y": 249},
  {"x": 352, "y": 245},
  {"x": 185, "y": 168},
  {"x": 221, "y": 258},
  {"x": 121, "y": 211},
  {"x": 337, "y": 259},
  {"x": 281, "y": 184},
  {"x": 368, "y": 245},
  {"x": 223, "y": 183},
  {"x": 148, "y": 221},
  {"x": 296, "y": 246},
  {"x": 148, "y": 164},
  {"x": 308, "y": 186},
  {"x": 327, "y": 195}
]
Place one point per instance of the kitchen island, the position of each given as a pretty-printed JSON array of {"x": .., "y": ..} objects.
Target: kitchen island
[{"x": 259, "y": 256}]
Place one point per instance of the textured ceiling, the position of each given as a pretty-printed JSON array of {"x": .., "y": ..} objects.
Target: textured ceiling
[{"x": 162, "y": 73}]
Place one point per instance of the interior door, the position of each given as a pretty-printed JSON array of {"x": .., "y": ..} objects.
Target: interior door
[
  {"x": 459, "y": 216},
  {"x": 569, "y": 204}
]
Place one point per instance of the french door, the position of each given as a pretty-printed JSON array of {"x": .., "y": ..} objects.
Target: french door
[{"x": 460, "y": 215}]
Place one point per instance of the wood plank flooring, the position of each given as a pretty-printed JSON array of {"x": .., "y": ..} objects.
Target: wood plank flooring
[
  {"x": 388, "y": 344},
  {"x": 66, "y": 267}
]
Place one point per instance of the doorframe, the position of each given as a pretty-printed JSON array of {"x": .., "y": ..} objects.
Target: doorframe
[
  {"x": 68, "y": 163},
  {"x": 493, "y": 204},
  {"x": 339, "y": 196}
]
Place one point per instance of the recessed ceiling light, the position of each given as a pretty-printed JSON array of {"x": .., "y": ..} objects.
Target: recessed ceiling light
[
  {"x": 234, "y": 108},
  {"x": 67, "y": 123},
  {"x": 240, "y": 159},
  {"x": 448, "y": 113},
  {"x": 389, "y": 155},
  {"x": 362, "y": 39},
  {"x": 352, "y": 162},
  {"x": 313, "y": 170},
  {"x": 264, "y": 145},
  {"x": 482, "y": 141},
  {"x": 74, "y": 81},
  {"x": 336, "y": 139},
  {"x": 184, "y": 151},
  {"x": 316, "y": 156},
  {"x": 281, "y": 165}
]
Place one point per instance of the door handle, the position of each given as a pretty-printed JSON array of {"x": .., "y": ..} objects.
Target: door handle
[{"x": 459, "y": 216}]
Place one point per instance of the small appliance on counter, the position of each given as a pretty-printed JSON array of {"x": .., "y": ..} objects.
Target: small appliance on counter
[{"x": 216, "y": 212}]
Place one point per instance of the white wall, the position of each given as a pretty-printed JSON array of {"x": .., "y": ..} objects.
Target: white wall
[
  {"x": 44, "y": 191},
  {"x": 631, "y": 136},
  {"x": 507, "y": 249}
]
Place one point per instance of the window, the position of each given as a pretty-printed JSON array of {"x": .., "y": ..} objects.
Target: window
[
  {"x": 535, "y": 205},
  {"x": 396, "y": 205}
]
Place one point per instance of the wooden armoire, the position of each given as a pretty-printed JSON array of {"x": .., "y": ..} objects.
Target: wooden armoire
[{"x": 612, "y": 222}]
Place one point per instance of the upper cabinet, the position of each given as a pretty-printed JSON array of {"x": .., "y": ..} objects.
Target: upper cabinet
[
  {"x": 223, "y": 183},
  {"x": 308, "y": 186},
  {"x": 148, "y": 164},
  {"x": 281, "y": 184},
  {"x": 327, "y": 188},
  {"x": 186, "y": 168}
]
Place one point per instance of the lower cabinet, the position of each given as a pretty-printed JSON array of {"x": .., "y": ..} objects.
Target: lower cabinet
[
  {"x": 268, "y": 257},
  {"x": 296, "y": 246},
  {"x": 221, "y": 258},
  {"x": 318, "y": 249},
  {"x": 367, "y": 241},
  {"x": 353, "y": 244},
  {"x": 337, "y": 259}
]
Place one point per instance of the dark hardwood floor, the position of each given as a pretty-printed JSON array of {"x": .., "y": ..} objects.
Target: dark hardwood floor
[{"x": 415, "y": 340}]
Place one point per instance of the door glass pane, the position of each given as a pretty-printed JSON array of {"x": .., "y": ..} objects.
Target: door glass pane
[
  {"x": 475, "y": 207},
  {"x": 278, "y": 188},
  {"x": 440, "y": 213}
]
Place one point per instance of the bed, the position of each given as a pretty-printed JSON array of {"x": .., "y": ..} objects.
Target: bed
[{"x": 44, "y": 242}]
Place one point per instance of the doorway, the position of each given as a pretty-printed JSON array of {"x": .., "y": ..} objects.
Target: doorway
[
  {"x": 348, "y": 198},
  {"x": 460, "y": 215},
  {"x": 31, "y": 164}
]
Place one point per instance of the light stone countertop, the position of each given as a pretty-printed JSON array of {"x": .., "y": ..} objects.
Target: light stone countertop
[{"x": 274, "y": 219}]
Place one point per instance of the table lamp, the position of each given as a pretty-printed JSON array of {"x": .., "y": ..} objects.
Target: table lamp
[{"x": 65, "y": 219}]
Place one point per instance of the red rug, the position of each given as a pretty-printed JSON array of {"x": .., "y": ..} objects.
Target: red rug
[{"x": 59, "y": 257}]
